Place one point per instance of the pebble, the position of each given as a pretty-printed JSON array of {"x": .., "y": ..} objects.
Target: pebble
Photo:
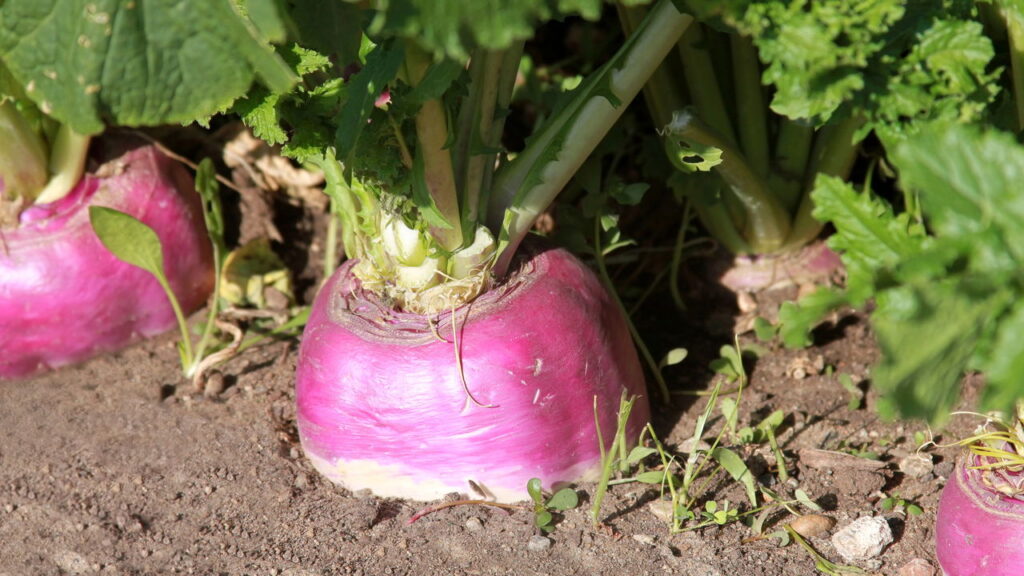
[
  {"x": 645, "y": 539},
  {"x": 538, "y": 543},
  {"x": 661, "y": 509},
  {"x": 917, "y": 567},
  {"x": 214, "y": 384},
  {"x": 812, "y": 525},
  {"x": 71, "y": 562},
  {"x": 863, "y": 539},
  {"x": 917, "y": 465},
  {"x": 474, "y": 524}
]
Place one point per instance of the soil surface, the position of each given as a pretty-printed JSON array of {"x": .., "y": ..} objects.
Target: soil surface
[{"x": 118, "y": 466}]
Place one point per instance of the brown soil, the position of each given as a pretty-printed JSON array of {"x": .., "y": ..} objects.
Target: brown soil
[{"x": 118, "y": 467}]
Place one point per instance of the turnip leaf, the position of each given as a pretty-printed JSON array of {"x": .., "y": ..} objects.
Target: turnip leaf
[
  {"x": 92, "y": 62},
  {"x": 128, "y": 239},
  {"x": 564, "y": 499},
  {"x": 737, "y": 468},
  {"x": 453, "y": 27},
  {"x": 137, "y": 244}
]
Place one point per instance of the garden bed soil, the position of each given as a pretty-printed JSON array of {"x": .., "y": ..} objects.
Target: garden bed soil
[{"x": 118, "y": 466}]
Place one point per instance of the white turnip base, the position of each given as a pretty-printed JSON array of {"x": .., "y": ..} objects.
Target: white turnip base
[{"x": 389, "y": 481}]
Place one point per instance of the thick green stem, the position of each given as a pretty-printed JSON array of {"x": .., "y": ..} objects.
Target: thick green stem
[
  {"x": 703, "y": 84},
  {"x": 834, "y": 153},
  {"x": 331, "y": 242},
  {"x": 506, "y": 88},
  {"x": 438, "y": 172},
  {"x": 663, "y": 92},
  {"x": 480, "y": 124},
  {"x": 792, "y": 149},
  {"x": 528, "y": 185},
  {"x": 1015, "y": 33},
  {"x": 751, "y": 113},
  {"x": 67, "y": 164},
  {"x": 22, "y": 156},
  {"x": 766, "y": 223}
]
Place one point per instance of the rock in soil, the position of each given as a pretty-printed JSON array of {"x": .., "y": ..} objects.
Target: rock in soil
[
  {"x": 864, "y": 539},
  {"x": 917, "y": 567},
  {"x": 538, "y": 543}
]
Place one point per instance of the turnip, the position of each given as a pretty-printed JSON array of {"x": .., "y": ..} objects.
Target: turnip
[
  {"x": 64, "y": 297},
  {"x": 979, "y": 528},
  {"x": 384, "y": 404},
  {"x": 440, "y": 357},
  {"x": 68, "y": 70}
]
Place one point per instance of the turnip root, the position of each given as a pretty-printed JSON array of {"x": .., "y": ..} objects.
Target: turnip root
[
  {"x": 494, "y": 393},
  {"x": 814, "y": 263},
  {"x": 64, "y": 297},
  {"x": 979, "y": 529}
]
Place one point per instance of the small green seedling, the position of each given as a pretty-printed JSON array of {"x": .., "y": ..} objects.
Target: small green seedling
[
  {"x": 720, "y": 515},
  {"x": 856, "y": 394},
  {"x": 895, "y": 503},
  {"x": 544, "y": 510},
  {"x": 137, "y": 244},
  {"x": 764, "y": 330},
  {"x": 730, "y": 364}
]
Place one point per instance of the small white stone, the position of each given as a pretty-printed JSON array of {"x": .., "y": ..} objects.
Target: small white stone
[
  {"x": 917, "y": 465},
  {"x": 474, "y": 524},
  {"x": 538, "y": 543},
  {"x": 864, "y": 539},
  {"x": 645, "y": 539}
]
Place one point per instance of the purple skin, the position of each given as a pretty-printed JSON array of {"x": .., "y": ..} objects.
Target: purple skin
[
  {"x": 381, "y": 404},
  {"x": 978, "y": 531},
  {"x": 811, "y": 264},
  {"x": 65, "y": 298}
]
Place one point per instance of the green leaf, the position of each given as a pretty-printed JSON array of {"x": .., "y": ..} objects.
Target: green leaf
[
  {"x": 329, "y": 27},
  {"x": 651, "y": 477},
  {"x": 856, "y": 394},
  {"x": 209, "y": 191},
  {"x": 969, "y": 183},
  {"x": 564, "y": 499},
  {"x": 806, "y": 500},
  {"x": 638, "y": 453},
  {"x": 543, "y": 519},
  {"x": 869, "y": 236},
  {"x": 128, "y": 239},
  {"x": 673, "y": 357},
  {"x": 730, "y": 411},
  {"x": 772, "y": 421},
  {"x": 437, "y": 80},
  {"x": 382, "y": 65},
  {"x": 764, "y": 330},
  {"x": 534, "y": 488},
  {"x": 928, "y": 334},
  {"x": 1004, "y": 385},
  {"x": 96, "y": 62},
  {"x": 630, "y": 194},
  {"x": 454, "y": 27},
  {"x": 264, "y": 15},
  {"x": 736, "y": 468},
  {"x": 691, "y": 156}
]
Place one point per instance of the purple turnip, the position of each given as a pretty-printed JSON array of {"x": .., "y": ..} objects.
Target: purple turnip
[
  {"x": 64, "y": 297},
  {"x": 979, "y": 528},
  {"x": 497, "y": 392}
]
